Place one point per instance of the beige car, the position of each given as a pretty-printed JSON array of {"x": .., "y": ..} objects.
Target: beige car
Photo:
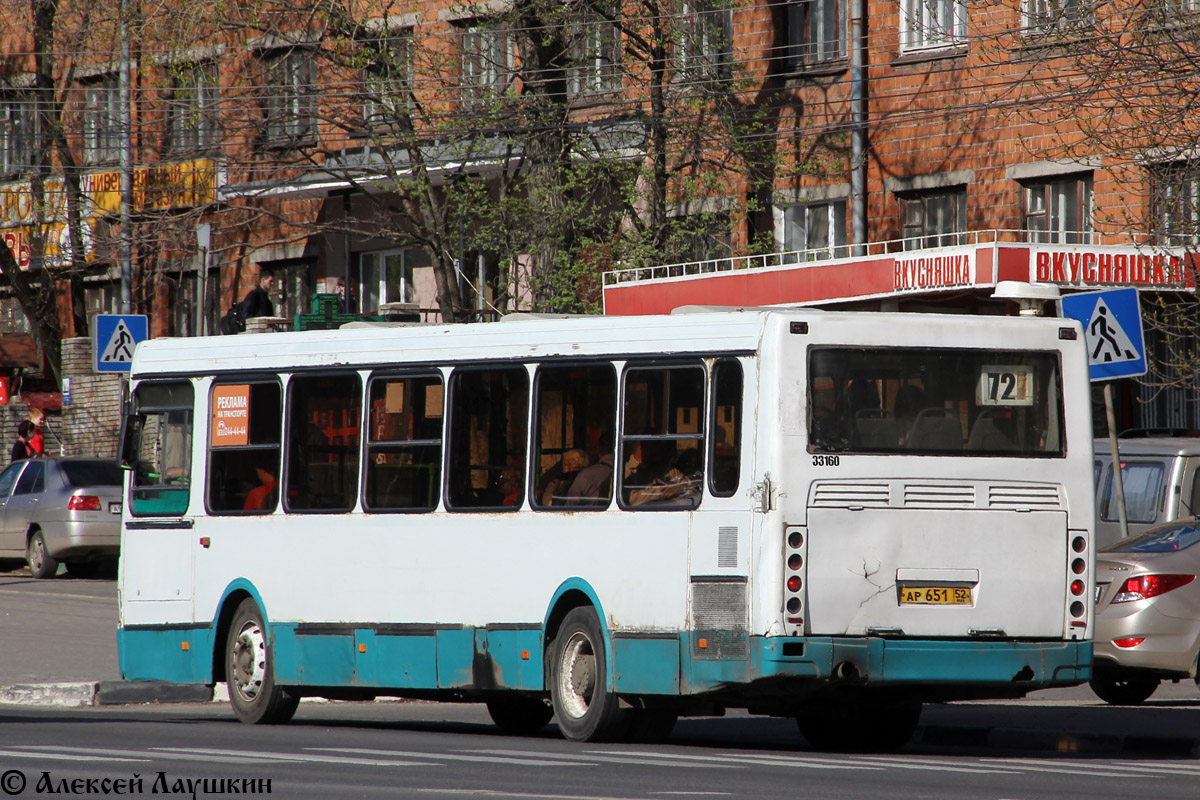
[{"x": 1147, "y": 612}]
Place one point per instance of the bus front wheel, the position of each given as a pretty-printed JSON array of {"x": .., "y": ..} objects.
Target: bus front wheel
[
  {"x": 250, "y": 672},
  {"x": 583, "y": 707}
]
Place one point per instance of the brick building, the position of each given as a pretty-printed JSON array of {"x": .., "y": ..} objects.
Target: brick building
[{"x": 347, "y": 145}]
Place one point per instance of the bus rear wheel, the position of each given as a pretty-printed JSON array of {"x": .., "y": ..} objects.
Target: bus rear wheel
[
  {"x": 583, "y": 707},
  {"x": 250, "y": 672}
]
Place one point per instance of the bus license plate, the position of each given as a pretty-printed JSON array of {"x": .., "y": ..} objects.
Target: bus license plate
[{"x": 935, "y": 595}]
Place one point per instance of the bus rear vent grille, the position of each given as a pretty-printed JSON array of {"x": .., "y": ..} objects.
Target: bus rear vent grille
[
  {"x": 932, "y": 495},
  {"x": 1024, "y": 496},
  {"x": 719, "y": 619},
  {"x": 828, "y": 494}
]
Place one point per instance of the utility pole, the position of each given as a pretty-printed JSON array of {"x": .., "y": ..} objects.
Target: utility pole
[{"x": 126, "y": 146}]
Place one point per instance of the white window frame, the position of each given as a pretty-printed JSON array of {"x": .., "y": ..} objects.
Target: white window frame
[
  {"x": 596, "y": 57},
  {"x": 387, "y": 85},
  {"x": 101, "y": 119},
  {"x": 18, "y": 132},
  {"x": 932, "y": 25},
  {"x": 376, "y": 284},
  {"x": 291, "y": 94},
  {"x": 817, "y": 229},
  {"x": 1175, "y": 196},
  {"x": 486, "y": 60},
  {"x": 816, "y": 32},
  {"x": 192, "y": 114},
  {"x": 1046, "y": 16},
  {"x": 1060, "y": 197},
  {"x": 705, "y": 45}
]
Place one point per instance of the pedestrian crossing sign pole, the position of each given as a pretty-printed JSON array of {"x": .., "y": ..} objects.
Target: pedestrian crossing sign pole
[
  {"x": 1112, "y": 330},
  {"x": 115, "y": 336}
]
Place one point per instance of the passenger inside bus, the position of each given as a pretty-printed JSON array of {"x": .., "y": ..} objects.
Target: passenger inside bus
[
  {"x": 593, "y": 485},
  {"x": 659, "y": 479},
  {"x": 264, "y": 496},
  {"x": 568, "y": 469}
]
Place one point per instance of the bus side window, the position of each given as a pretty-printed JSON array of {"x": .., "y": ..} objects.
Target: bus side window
[
  {"x": 575, "y": 410},
  {"x": 662, "y": 441},
  {"x": 726, "y": 440},
  {"x": 404, "y": 443},
  {"x": 244, "y": 442},
  {"x": 487, "y": 438},
  {"x": 323, "y": 442}
]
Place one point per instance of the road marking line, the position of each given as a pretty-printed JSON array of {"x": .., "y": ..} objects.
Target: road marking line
[
  {"x": 257, "y": 756},
  {"x": 61, "y": 756},
  {"x": 528, "y": 760}
]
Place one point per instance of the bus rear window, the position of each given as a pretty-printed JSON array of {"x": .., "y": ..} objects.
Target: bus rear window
[{"x": 934, "y": 402}]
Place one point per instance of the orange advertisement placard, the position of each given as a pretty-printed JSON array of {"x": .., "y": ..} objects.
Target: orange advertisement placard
[{"x": 231, "y": 415}]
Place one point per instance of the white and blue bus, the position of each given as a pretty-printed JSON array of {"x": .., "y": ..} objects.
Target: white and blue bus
[{"x": 612, "y": 522}]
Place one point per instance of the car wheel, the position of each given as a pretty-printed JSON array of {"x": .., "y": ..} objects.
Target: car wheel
[
  {"x": 250, "y": 671},
  {"x": 583, "y": 707},
  {"x": 1117, "y": 689},
  {"x": 41, "y": 563}
]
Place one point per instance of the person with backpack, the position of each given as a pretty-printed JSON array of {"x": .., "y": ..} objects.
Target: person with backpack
[
  {"x": 257, "y": 303},
  {"x": 258, "y": 300}
]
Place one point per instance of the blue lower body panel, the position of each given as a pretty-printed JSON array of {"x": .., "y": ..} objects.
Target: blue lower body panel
[{"x": 478, "y": 659}]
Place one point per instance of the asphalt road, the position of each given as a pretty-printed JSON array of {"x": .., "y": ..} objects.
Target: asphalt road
[
  {"x": 415, "y": 750},
  {"x": 64, "y": 631}
]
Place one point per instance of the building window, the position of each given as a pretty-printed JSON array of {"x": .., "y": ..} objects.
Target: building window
[
  {"x": 487, "y": 61},
  {"x": 12, "y": 317},
  {"x": 102, "y": 298},
  {"x": 705, "y": 40},
  {"x": 1175, "y": 202},
  {"x": 700, "y": 237},
  {"x": 18, "y": 131},
  {"x": 102, "y": 120},
  {"x": 192, "y": 107},
  {"x": 1059, "y": 210},
  {"x": 384, "y": 277},
  {"x": 595, "y": 57},
  {"x": 1044, "y": 16},
  {"x": 819, "y": 229},
  {"x": 387, "y": 78},
  {"x": 816, "y": 32},
  {"x": 926, "y": 24},
  {"x": 291, "y": 101},
  {"x": 934, "y": 219}
]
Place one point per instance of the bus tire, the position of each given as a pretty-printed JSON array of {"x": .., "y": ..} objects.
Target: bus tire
[
  {"x": 250, "y": 671},
  {"x": 583, "y": 707},
  {"x": 520, "y": 714}
]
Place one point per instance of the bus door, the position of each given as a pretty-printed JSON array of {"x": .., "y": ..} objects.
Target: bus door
[{"x": 158, "y": 541}]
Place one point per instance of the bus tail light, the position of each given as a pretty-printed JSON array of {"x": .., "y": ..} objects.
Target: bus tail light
[
  {"x": 84, "y": 502},
  {"x": 1143, "y": 587}
]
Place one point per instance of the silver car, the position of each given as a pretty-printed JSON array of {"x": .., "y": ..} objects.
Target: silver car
[
  {"x": 1147, "y": 611},
  {"x": 65, "y": 510}
]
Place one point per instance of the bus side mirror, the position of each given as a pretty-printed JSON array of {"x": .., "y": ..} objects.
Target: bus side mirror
[{"x": 131, "y": 440}]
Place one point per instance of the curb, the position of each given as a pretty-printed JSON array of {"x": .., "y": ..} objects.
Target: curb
[
  {"x": 1058, "y": 742},
  {"x": 104, "y": 693}
]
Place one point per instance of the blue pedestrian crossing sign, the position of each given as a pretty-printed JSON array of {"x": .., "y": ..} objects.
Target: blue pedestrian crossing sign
[
  {"x": 1112, "y": 328},
  {"x": 115, "y": 337}
]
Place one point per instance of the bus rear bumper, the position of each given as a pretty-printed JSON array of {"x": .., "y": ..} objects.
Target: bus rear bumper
[{"x": 1008, "y": 666}]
